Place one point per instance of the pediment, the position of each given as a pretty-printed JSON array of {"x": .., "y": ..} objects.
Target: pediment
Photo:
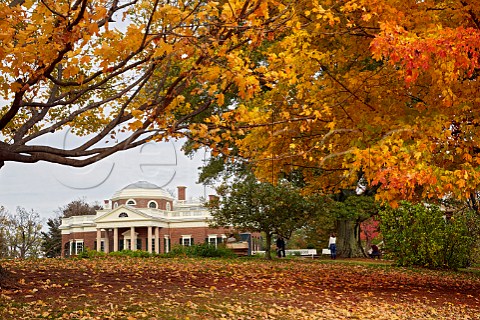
[{"x": 122, "y": 213}]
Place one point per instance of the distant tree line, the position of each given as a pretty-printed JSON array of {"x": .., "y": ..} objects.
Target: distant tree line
[{"x": 21, "y": 234}]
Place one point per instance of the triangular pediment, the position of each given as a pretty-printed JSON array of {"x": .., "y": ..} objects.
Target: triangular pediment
[{"x": 122, "y": 213}]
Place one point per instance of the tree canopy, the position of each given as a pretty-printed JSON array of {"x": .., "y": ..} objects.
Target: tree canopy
[
  {"x": 385, "y": 89},
  {"x": 382, "y": 88},
  {"x": 123, "y": 73}
]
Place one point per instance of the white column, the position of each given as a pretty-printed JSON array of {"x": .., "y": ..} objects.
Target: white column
[
  {"x": 157, "y": 239},
  {"x": 167, "y": 245},
  {"x": 115, "y": 239},
  {"x": 107, "y": 241},
  {"x": 99, "y": 239},
  {"x": 149, "y": 240},
  {"x": 133, "y": 241}
]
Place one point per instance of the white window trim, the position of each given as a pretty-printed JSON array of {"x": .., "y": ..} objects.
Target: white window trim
[
  {"x": 168, "y": 206},
  {"x": 189, "y": 237},
  {"x": 213, "y": 236},
  {"x": 167, "y": 247},
  {"x": 134, "y": 202},
  {"x": 76, "y": 246},
  {"x": 152, "y": 201},
  {"x": 115, "y": 205}
]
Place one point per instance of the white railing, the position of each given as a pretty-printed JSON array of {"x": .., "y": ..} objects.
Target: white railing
[{"x": 295, "y": 252}]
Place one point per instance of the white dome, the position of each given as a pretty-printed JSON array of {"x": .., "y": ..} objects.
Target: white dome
[
  {"x": 142, "y": 189},
  {"x": 142, "y": 185}
]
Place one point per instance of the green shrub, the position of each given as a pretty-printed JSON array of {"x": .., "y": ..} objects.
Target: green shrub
[
  {"x": 420, "y": 235},
  {"x": 131, "y": 253},
  {"x": 89, "y": 254},
  {"x": 200, "y": 250}
]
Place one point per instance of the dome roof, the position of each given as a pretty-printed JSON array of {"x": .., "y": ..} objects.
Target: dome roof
[
  {"x": 141, "y": 185},
  {"x": 142, "y": 189}
]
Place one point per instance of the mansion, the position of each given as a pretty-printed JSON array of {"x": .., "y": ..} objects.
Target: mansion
[{"x": 142, "y": 216}]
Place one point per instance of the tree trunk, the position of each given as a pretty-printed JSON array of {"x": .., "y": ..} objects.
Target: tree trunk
[{"x": 348, "y": 239}]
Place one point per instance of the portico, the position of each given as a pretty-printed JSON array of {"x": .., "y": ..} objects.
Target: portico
[{"x": 126, "y": 228}]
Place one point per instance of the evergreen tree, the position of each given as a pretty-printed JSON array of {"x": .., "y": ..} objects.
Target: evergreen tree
[{"x": 52, "y": 240}]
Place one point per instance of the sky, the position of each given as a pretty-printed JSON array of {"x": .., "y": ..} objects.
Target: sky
[{"x": 44, "y": 187}]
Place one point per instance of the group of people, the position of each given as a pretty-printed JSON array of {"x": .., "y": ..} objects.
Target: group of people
[
  {"x": 373, "y": 253},
  {"x": 332, "y": 245}
]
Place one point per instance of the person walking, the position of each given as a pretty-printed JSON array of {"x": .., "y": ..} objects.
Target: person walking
[
  {"x": 280, "y": 247},
  {"x": 332, "y": 245}
]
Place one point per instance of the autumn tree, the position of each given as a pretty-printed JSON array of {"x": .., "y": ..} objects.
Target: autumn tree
[
  {"x": 121, "y": 73},
  {"x": 22, "y": 233},
  {"x": 383, "y": 88},
  {"x": 255, "y": 206}
]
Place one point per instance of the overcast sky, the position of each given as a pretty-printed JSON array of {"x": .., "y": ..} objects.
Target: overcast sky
[{"x": 44, "y": 187}]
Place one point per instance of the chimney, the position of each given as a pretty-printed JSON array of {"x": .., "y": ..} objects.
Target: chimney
[
  {"x": 106, "y": 204},
  {"x": 182, "y": 194}
]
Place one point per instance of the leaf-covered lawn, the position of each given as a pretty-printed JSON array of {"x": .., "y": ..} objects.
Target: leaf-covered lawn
[{"x": 155, "y": 288}]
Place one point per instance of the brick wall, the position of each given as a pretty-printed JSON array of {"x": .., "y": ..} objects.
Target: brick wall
[
  {"x": 143, "y": 203},
  {"x": 88, "y": 239},
  {"x": 199, "y": 234}
]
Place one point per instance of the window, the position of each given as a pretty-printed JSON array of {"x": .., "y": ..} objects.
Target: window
[
  {"x": 186, "y": 241},
  {"x": 66, "y": 249},
  {"x": 123, "y": 215},
  {"x": 102, "y": 245},
  {"x": 79, "y": 247},
  {"x": 212, "y": 240},
  {"x": 115, "y": 205},
  {"x": 152, "y": 204},
  {"x": 131, "y": 202},
  {"x": 168, "y": 207},
  {"x": 153, "y": 245}
]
